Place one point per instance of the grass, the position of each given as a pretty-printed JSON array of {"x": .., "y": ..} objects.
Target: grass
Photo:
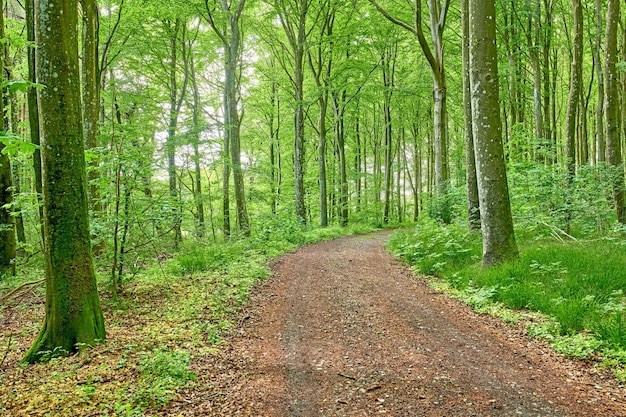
[
  {"x": 172, "y": 311},
  {"x": 579, "y": 286}
]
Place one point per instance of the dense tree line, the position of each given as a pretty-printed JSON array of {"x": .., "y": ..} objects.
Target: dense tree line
[{"x": 316, "y": 112}]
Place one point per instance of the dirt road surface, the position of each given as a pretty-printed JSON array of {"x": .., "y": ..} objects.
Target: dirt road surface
[{"x": 343, "y": 329}]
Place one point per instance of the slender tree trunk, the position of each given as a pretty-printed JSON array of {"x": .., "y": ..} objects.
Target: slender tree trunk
[
  {"x": 299, "y": 117},
  {"x": 171, "y": 131},
  {"x": 274, "y": 148},
  {"x": 495, "y": 209},
  {"x": 7, "y": 222},
  {"x": 90, "y": 78},
  {"x": 611, "y": 110},
  {"x": 548, "y": 94},
  {"x": 534, "y": 41},
  {"x": 232, "y": 86},
  {"x": 388, "y": 81},
  {"x": 473, "y": 211},
  {"x": 573, "y": 103},
  {"x": 323, "y": 102},
  {"x": 197, "y": 188},
  {"x": 357, "y": 157},
  {"x": 73, "y": 315},
  {"x": 33, "y": 112},
  {"x": 597, "y": 56}
]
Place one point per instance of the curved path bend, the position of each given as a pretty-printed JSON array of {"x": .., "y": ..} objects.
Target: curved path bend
[{"x": 343, "y": 329}]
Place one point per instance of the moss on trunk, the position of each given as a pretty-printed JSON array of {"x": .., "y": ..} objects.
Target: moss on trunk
[{"x": 73, "y": 314}]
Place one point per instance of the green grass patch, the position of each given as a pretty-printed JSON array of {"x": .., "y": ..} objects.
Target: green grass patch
[{"x": 580, "y": 286}]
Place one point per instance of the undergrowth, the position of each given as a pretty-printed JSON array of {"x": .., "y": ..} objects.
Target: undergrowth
[{"x": 578, "y": 287}]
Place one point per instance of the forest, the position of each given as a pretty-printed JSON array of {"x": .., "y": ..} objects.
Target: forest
[{"x": 157, "y": 157}]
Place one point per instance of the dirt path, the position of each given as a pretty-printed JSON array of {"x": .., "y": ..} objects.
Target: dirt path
[{"x": 343, "y": 329}]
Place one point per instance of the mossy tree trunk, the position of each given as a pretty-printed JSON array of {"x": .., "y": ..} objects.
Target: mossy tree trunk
[
  {"x": 7, "y": 222},
  {"x": 73, "y": 315},
  {"x": 495, "y": 208}
]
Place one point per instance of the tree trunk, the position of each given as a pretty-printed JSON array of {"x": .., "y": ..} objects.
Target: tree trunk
[
  {"x": 299, "y": 117},
  {"x": 600, "y": 141},
  {"x": 573, "y": 102},
  {"x": 495, "y": 210},
  {"x": 197, "y": 188},
  {"x": 90, "y": 78},
  {"x": 233, "y": 56},
  {"x": 323, "y": 102},
  {"x": 611, "y": 109},
  {"x": 170, "y": 143},
  {"x": 473, "y": 210},
  {"x": 73, "y": 315},
  {"x": 33, "y": 112},
  {"x": 7, "y": 222},
  {"x": 388, "y": 80},
  {"x": 548, "y": 93}
]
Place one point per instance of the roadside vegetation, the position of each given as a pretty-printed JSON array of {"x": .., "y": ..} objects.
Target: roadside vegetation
[{"x": 568, "y": 287}]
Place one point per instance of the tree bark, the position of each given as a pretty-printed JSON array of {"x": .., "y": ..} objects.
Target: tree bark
[
  {"x": 388, "y": 63},
  {"x": 573, "y": 102},
  {"x": 33, "y": 112},
  {"x": 197, "y": 189},
  {"x": 7, "y": 222},
  {"x": 170, "y": 143},
  {"x": 473, "y": 210},
  {"x": 299, "y": 118},
  {"x": 73, "y": 314},
  {"x": 495, "y": 210},
  {"x": 611, "y": 109},
  {"x": 90, "y": 78}
]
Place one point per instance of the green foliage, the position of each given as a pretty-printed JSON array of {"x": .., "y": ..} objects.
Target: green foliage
[
  {"x": 543, "y": 203},
  {"x": 163, "y": 372},
  {"x": 434, "y": 248}
]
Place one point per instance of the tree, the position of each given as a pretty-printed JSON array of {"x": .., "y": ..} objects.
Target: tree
[
  {"x": 438, "y": 12},
  {"x": 293, "y": 18},
  {"x": 231, "y": 42},
  {"x": 73, "y": 314},
  {"x": 573, "y": 103},
  {"x": 175, "y": 30},
  {"x": 611, "y": 109},
  {"x": 7, "y": 223},
  {"x": 473, "y": 205},
  {"x": 495, "y": 209},
  {"x": 90, "y": 73}
]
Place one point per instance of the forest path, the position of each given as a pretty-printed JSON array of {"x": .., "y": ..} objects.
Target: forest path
[{"x": 343, "y": 329}]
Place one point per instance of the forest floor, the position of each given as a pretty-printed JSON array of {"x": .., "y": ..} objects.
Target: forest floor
[{"x": 344, "y": 329}]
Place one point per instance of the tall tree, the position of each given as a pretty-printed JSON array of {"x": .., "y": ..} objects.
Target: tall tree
[
  {"x": 293, "y": 18},
  {"x": 197, "y": 128},
  {"x": 73, "y": 314},
  {"x": 438, "y": 12},
  {"x": 7, "y": 222},
  {"x": 388, "y": 67},
  {"x": 232, "y": 42},
  {"x": 176, "y": 31},
  {"x": 611, "y": 109},
  {"x": 573, "y": 102},
  {"x": 473, "y": 210},
  {"x": 597, "y": 56},
  {"x": 33, "y": 112},
  {"x": 90, "y": 78},
  {"x": 495, "y": 208},
  {"x": 320, "y": 63}
]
